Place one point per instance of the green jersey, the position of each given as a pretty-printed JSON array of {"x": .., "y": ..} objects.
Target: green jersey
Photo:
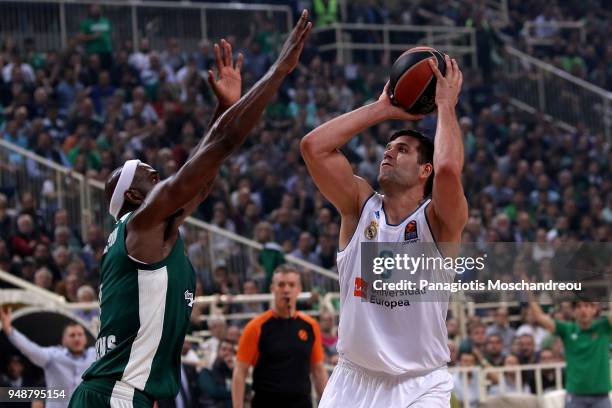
[
  {"x": 587, "y": 356},
  {"x": 145, "y": 312},
  {"x": 101, "y": 26}
]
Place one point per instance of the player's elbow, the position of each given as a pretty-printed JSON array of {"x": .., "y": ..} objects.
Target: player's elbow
[
  {"x": 307, "y": 146},
  {"x": 449, "y": 170},
  {"x": 447, "y": 179}
]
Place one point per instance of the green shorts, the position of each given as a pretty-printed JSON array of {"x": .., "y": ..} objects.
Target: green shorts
[{"x": 106, "y": 393}]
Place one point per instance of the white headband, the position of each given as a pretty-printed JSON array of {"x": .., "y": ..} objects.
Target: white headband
[{"x": 124, "y": 183}]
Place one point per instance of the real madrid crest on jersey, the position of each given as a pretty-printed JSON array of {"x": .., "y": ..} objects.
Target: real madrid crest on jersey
[
  {"x": 371, "y": 230},
  {"x": 410, "y": 232}
]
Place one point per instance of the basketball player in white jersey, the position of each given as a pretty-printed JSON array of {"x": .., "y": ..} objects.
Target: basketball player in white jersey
[{"x": 392, "y": 357}]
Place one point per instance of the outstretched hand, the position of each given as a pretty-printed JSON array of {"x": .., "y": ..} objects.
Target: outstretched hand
[
  {"x": 395, "y": 112},
  {"x": 448, "y": 86},
  {"x": 227, "y": 86},
  {"x": 289, "y": 56},
  {"x": 6, "y": 318}
]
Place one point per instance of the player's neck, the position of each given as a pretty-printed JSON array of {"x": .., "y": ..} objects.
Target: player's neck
[
  {"x": 585, "y": 325},
  {"x": 285, "y": 312},
  {"x": 398, "y": 205},
  {"x": 76, "y": 353}
]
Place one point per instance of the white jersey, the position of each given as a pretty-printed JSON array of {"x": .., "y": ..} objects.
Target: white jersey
[{"x": 409, "y": 340}]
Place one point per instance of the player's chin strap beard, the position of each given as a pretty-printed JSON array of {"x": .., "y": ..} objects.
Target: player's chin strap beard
[{"x": 125, "y": 181}]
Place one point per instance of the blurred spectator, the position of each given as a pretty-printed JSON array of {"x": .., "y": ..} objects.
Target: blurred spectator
[
  {"x": 501, "y": 327},
  {"x": 188, "y": 393},
  {"x": 43, "y": 279},
  {"x": 24, "y": 241},
  {"x": 6, "y": 221},
  {"x": 96, "y": 33},
  {"x": 140, "y": 59},
  {"x": 325, "y": 12},
  {"x": 63, "y": 365},
  {"x": 508, "y": 382},
  {"x": 215, "y": 383},
  {"x": 494, "y": 350},
  {"x": 284, "y": 230},
  {"x": 532, "y": 328},
  {"x": 329, "y": 337},
  {"x": 72, "y": 283},
  {"x": 17, "y": 66},
  {"x": 232, "y": 333},
  {"x": 466, "y": 382},
  {"x": 204, "y": 57},
  {"x": 452, "y": 328},
  {"x": 67, "y": 90},
  {"x": 86, "y": 294},
  {"x": 13, "y": 376},
  {"x": 249, "y": 287},
  {"x": 586, "y": 342},
  {"x": 305, "y": 251},
  {"x": 549, "y": 376},
  {"x": 476, "y": 340},
  {"x": 199, "y": 255},
  {"x": 209, "y": 348},
  {"x": 172, "y": 56},
  {"x": 528, "y": 355},
  {"x": 271, "y": 255}
]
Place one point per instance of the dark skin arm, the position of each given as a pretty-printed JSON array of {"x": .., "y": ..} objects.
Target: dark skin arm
[
  {"x": 227, "y": 86},
  {"x": 153, "y": 228}
]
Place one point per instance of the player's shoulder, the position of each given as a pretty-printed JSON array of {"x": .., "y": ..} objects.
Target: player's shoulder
[
  {"x": 601, "y": 323},
  {"x": 308, "y": 319},
  {"x": 364, "y": 189},
  {"x": 259, "y": 320}
]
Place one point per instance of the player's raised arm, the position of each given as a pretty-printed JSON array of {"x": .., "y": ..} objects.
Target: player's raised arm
[
  {"x": 331, "y": 171},
  {"x": 448, "y": 201},
  {"x": 227, "y": 134}
]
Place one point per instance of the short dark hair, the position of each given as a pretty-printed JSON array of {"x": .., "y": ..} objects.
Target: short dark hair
[
  {"x": 467, "y": 352},
  {"x": 575, "y": 302},
  {"x": 425, "y": 150},
  {"x": 226, "y": 340}
]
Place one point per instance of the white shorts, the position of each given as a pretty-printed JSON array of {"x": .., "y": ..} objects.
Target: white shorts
[{"x": 353, "y": 386}]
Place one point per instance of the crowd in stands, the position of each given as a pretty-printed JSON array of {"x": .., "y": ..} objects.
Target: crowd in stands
[
  {"x": 582, "y": 49},
  {"x": 95, "y": 104}
]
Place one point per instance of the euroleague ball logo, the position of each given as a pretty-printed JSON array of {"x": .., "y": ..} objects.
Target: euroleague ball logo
[{"x": 303, "y": 335}]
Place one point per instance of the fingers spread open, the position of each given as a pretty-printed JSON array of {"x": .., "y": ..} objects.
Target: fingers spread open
[
  {"x": 239, "y": 61},
  {"x": 218, "y": 58},
  {"x": 211, "y": 79},
  {"x": 228, "y": 54}
]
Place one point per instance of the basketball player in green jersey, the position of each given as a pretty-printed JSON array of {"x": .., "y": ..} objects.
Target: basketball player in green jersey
[{"x": 148, "y": 284}]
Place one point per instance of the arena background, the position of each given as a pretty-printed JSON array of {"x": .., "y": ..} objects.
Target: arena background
[{"x": 536, "y": 114}]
